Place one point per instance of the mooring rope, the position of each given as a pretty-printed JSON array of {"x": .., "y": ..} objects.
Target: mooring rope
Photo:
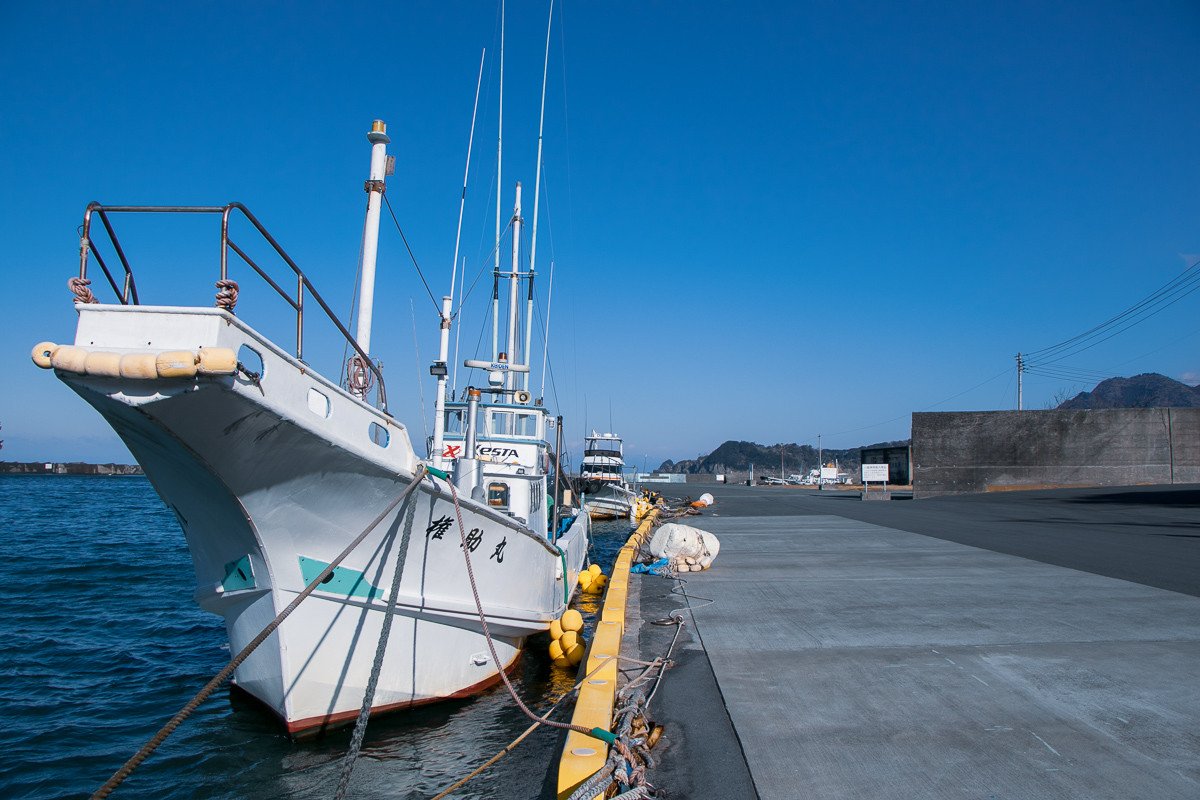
[
  {"x": 512, "y": 745},
  {"x": 364, "y": 713},
  {"x": 175, "y": 721},
  {"x": 596, "y": 733},
  {"x": 629, "y": 757}
]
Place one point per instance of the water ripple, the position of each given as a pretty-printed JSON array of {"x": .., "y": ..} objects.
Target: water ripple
[{"x": 103, "y": 643}]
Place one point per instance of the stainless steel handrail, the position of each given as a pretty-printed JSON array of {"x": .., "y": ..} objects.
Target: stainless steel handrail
[{"x": 127, "y": 292}]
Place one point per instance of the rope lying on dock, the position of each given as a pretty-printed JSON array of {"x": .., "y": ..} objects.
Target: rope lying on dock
[
  {"x": 630, "y": 757},
  {"x": 175, "y": 721},
  {"x": 623, "y": 771}
]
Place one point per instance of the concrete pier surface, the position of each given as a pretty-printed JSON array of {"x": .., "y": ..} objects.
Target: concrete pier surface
[{"x": 840, "y": 649}]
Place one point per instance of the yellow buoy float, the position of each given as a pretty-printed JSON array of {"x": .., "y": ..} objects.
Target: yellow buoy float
[
  {"x": 592, "y": 580},
  {"x": 571, "y": 620},
  {"x": 567, "y": 645}
]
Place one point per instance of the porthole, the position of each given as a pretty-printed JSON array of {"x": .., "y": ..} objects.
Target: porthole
[
  {"x": 318, "y": 403},
  {"x": 250, "y": 359},
  {"x": 379, "y": 434}
]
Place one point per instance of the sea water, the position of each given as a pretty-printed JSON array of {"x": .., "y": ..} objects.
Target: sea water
[{"x": 103, "y": 643}]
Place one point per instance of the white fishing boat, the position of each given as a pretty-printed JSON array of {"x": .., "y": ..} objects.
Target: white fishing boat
[
  {"x": 274, "y": 469},
  {"x": 605, "y": 494}
]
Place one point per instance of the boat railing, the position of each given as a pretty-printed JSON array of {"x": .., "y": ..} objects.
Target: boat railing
[{"x": 126, "y": 288}]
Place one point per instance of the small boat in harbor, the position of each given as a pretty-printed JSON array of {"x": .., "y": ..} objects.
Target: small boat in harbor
[
  {"x": 274, "y": 471},
  {"x": 602, "y": 486}
]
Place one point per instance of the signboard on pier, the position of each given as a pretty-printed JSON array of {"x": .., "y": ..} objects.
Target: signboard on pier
[{"x": 875, "y": 473}]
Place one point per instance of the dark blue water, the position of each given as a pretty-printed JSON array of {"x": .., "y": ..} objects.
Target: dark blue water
[{"x": 103, "y": 643}]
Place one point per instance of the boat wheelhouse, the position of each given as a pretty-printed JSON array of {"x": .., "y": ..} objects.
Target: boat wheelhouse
[{"x": 602, "y": 480}]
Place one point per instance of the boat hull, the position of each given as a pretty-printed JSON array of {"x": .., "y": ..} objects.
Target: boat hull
[
  {"x": 269, "y": 491},
  {"x": 610, "y": 501}
]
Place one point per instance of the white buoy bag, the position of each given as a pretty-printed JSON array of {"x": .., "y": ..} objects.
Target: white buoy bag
[{"x": 688, "y": 549}]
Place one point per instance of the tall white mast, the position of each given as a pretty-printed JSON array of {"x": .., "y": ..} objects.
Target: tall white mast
[
  {"x": 466, "y": 174},
  {"x": 514, "y": 287},
  {"x": 546, "y": 339},
  {"x": 370, "y": 241},
  {"x": 439, "y": 414},
  {"x": 537, "y": 189},
  {"x": 457, "y": 241},
  {"x": 499, "y": 164}
]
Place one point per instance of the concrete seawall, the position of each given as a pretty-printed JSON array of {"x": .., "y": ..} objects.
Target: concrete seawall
[{"x": 979, "y": 451}]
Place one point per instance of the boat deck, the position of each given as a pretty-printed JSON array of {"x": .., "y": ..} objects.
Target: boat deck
[{"x": 832, "y": 653}]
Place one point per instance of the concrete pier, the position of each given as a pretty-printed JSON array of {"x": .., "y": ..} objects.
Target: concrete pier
[{"x": 834, "y": 651}]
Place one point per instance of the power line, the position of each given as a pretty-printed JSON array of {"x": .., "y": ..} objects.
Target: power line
[{"x": 1165, "y": 296}]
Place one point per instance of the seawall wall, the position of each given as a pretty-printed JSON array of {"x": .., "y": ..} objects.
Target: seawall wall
[{"x": 958, "y": 452}]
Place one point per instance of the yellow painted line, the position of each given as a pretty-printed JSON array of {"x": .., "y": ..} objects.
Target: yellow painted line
[{"x": 584, "y": 756}]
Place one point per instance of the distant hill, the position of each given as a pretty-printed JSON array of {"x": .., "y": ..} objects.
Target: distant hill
[
  {"x": 69, "y": 468},
  {"x": 1149, "y": 390},
  {"x": 738, "y": 456}
]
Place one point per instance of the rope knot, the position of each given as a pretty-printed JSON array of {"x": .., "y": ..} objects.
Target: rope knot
[
  {"x": 79, "y": 288},
  {"x": 359, "y": 377},
  {"x": 227, "y": 294}
]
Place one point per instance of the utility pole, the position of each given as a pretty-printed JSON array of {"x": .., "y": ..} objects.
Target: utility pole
[
  {"x": 1020, "y": 371},
  {"x": 820, "y": 465}
]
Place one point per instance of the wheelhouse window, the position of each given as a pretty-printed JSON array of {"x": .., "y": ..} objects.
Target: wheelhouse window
[
  {"x": 497, "y": 495},
  {"x": 526, "y": 425},
  {"x": 502, "y": 423},
  {"x": 456, "y": 421}
]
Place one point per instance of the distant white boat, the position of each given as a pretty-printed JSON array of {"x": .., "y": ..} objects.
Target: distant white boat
[
  {"x": 601, "y": 479},
  {"x": 272, "y": 469}
]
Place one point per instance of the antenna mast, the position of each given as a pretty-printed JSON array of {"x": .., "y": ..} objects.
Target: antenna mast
[
  {"x": 546, "y": 340},
  {"x": 439, "y": 366},
  {"x": 537, "y": 188},
  {"x": 461, "y": 206},
  {"x": 499, "y": 183},
  {"x": 514, "y": 281}
]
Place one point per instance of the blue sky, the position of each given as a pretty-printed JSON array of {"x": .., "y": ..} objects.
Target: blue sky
[{"x": 768, "y": 221}]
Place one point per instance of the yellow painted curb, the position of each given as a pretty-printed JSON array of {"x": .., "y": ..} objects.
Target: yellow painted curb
[{"x": 584, "y": 756}]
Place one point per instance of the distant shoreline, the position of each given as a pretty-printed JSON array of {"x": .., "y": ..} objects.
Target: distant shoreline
[{"x": 67, "y": 468}]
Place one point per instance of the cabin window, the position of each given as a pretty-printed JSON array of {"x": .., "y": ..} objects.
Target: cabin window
[
  {"x": 497, "y": 495},
  {"x": 502, "y": 423},
  {"x": 526, "y": 425},
  {"x": 456, "y": 421}
]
